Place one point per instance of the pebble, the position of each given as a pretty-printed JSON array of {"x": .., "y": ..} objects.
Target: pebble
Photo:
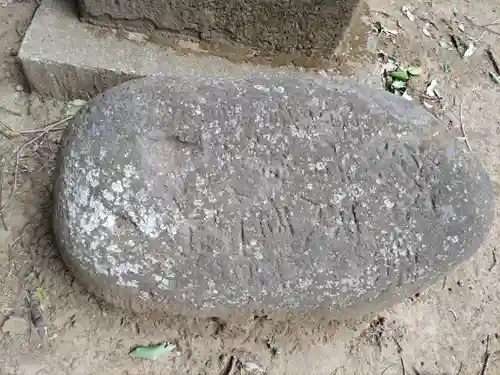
[
  {"x": 19, "y": 88},
  {"x": 252, "y": 368},
  {"x": 15, "y": 325},
  {"x": 21, "y": 99}
]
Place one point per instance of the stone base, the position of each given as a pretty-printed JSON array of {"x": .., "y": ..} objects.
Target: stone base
[
  {"x": 270, "y": 27},
  {"x": 67, "y": 59}
]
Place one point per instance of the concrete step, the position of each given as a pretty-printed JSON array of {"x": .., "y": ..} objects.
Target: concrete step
[{"x": 67, "y": 59}]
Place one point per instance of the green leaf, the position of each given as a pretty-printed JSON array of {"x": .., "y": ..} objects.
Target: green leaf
[
  {"x": 446, "y": 67},
  {"x": 398, "y": 85},
  {"x": 153, "y": 352},
  {"x": 414, "y": 70},
  {"x": 40, "y": 294},
  {"x": 400, "y": 75}
]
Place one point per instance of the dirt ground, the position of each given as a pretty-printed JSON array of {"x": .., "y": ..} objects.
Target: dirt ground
[{"x": 446, "y": 329}]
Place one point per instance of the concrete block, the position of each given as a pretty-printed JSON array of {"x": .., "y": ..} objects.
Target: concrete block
[
  {"x": 67, "y": 59},
  {"x": 301, "y": 27}
]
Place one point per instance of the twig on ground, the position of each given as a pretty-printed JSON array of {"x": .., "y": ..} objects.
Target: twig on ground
[
  {"x": 462, "y": 124},
  {"x": 470, "y": 22},
  {"x": 232, "y": 365},
  {"x": 430, "y": 22},
  {"x": 1, "y": 188},
  {"x": 5, "y": 130},
  {"x": 52, "y": 127},
  {"x": 388, "y": 15},
  {"x": 460, "y": 368},
  {"x": 486, "y": 356},
  {"x": 6, "y": 110},
  {"x": 494, "y": 23},
  {"x": 400, "y": 349},
  {"x": 493, "y": 252},
  {"x": 43, "y": 131},
  {"x": 387, "y": 368},
  {"x": 11, "y": 264},
  {"x": 444, "y": 283},
  {"x": 493, "y": 60},
  {"x": 403, "y": 365},
  {"x": 485, "y": 27},
  {"x": 478, "y": 39},
  {"x": 454, "y": 314}
]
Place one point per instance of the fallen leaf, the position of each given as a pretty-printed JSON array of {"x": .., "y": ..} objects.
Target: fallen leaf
[
  {"x": 446, "y": 67},
  {"x": 430, "y": 89},
  {"x": 252, "y": 368},
  {"x": 72, "y": 108},
  {"x": 401, "y": 75},
  {"x": 444, "y": 44},
  {"x": 387, "y": 63},
  {"x": 461, "y": 27},
  {"x": 426, "y": 32},
  {"x": 438, "y": 94},
  {"x": 406, "y": 11},
  {"x": 455, "y": 12},
  {"x": 459, "y": 44},
  {"x": 391, "y": 32},
  {"x": 414, "y": 70},
  {"x": 469, "y": 51},
  {"x": 153, "y": 352},
  {"x": 78, "y": 102},
  {"x": 398, "y": 85},
  {"x": 42, "y": 297},
  {"x": 494, "y": 78}
]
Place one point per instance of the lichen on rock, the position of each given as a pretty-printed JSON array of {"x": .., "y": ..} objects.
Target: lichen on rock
[{"x": 265, "y": 193}]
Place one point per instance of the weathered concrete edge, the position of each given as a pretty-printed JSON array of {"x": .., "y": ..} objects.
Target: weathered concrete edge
[
  {"x": 67, "y": 82},
  {"x": 67, "y": 59}
]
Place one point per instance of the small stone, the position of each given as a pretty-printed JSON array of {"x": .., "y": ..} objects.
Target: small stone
[
  {"x": 15, "y": 325},
  {"x": 253, "y": 368},
  {"x": 21, "y": 99},
  {"x": 19, "y": 88}
]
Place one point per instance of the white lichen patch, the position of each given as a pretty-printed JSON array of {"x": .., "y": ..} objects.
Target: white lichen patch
[
  {"x": 117, "y": 187},
  {"x": 109, "y": 196},
  {"x": 161, "y": 282}
]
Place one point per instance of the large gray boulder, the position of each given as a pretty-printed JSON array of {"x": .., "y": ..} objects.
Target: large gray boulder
[{"x": 197, "y": 194}]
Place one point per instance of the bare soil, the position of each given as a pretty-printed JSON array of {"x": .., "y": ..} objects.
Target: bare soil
[{"x": 446, "y": 329}]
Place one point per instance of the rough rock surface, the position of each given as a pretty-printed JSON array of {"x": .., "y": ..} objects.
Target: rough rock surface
[
  {"x": 277, "y": 27},
  {"x": 263, "y": 193}
]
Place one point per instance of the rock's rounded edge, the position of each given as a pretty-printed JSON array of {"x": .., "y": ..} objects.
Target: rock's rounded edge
[{"x": 125, "y": 298}]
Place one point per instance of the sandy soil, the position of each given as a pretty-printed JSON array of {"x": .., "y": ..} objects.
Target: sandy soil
[{"x": 442, "y": 330}]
